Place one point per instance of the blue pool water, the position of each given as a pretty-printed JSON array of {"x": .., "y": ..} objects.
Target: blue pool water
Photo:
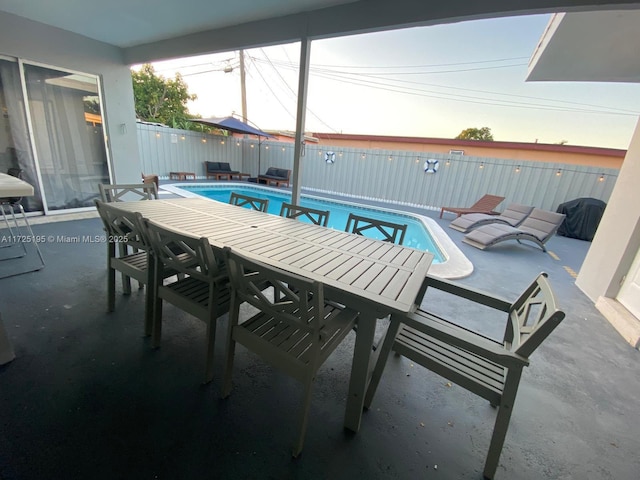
[{"x": 417, "y": 235}]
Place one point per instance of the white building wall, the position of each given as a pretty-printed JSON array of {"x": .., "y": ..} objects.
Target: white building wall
[{"x": 36, "y": 42}]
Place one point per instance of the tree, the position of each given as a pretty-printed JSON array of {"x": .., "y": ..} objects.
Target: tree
[
  {"x": 483, "y": 133},
  {"x": 161, "y": 100}
]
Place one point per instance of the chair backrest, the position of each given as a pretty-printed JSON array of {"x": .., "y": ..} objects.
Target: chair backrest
[
  {"x": 542, "y": 223},
  {"x": 382, "y": 230},
  {"x": 516, "y": 213},
  {"x": 183, "y": 253},
  {"x": 299, "y": 301},
  {"x": 487, "y": 203},
  {"x": 128, "y": 192},
  {"x": 260, "y": 204},
  {"x": 319, "y": 217},
  {"x": 532, "y": 317},
  {"x": 122, "y": 226}
]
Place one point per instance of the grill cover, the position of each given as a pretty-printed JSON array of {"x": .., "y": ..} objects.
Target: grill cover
[{"x": 582, "y": 217}]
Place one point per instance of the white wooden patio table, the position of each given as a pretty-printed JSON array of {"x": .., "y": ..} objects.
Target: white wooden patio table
[{"x": 376, "y": 278}]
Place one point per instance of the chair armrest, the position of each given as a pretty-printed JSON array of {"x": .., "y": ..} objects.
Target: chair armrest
[
  {"x": 469, "y": 293},
  {"x": 462, "y": 338}
]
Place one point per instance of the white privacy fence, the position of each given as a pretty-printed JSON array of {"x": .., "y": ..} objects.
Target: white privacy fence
[{"x": 389, "y": 175}]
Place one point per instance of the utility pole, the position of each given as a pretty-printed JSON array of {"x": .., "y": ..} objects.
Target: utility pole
[{"x": 243, "y": 87}]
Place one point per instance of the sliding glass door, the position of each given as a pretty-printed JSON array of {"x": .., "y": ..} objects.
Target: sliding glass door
[
  {"x": 66, "y": 120},
  {"x": 56, "y": 138}
]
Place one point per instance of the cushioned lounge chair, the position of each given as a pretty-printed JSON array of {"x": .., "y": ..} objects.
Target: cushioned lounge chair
[
  {"x": 538, "y": 228},
  {"x": 485, "y": 205},
  {"x": 513, "y": 215}
]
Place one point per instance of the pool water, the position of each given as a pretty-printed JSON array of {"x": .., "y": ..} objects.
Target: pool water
[{"x": 417, "y": 235}]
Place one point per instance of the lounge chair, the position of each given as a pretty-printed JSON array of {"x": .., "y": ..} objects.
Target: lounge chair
[
  {"x": 485, "y": 205},
  {"x": 538, "y": 228},
  {"x": 279, "y": 176},
  {"x": 513, "y": 215}
]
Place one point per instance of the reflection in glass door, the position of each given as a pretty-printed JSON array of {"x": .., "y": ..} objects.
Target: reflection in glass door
[{"x": 68, "y": 135}]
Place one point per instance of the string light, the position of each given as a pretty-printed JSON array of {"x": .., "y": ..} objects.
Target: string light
[
  {"x": 221, "y": 142},
  {"x": 518, "y": 169},
  {"x": 183, "y": 137},
  {"x": 204, "y": 140},
  {"x": 390, "y": 158},
  {"x": 447, "y": 163},
  {"x": 363, "y": 155},
  {"x": 481, "y": 165},
  {"x": 558, "y": 173},
  {"x": 157, "y": 134},
  {"x": 601, "y": 179}
]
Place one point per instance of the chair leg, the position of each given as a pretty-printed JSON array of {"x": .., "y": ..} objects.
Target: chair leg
[
  {"x": 149, "y": 298},
  {"x": 304, "y": 416},
  {"x": 111, "y": 279},
  {"x": 211, "y": 342},
  {"x": 383, "y": 355},
  {"x": 502, "y": 422},
  {"x": 234, "y": 313},
  {"x": 126, "y": 281}
]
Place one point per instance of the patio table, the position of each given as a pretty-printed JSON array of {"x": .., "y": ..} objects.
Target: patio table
[{"x": 374, "y": 277}]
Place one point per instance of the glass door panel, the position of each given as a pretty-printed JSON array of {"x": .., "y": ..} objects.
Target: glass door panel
[
  {"x": 68, "y": 135},
  {"x": 15, "y": 147}
]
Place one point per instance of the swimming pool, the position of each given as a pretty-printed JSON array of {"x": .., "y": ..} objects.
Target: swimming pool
[{"x": 423, "y": 233}]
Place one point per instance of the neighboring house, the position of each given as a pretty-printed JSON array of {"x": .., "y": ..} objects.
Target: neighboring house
[{"x": 555, "y": 153}]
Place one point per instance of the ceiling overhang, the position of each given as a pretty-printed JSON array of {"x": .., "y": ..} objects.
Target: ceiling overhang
[{"x": 590, "y": 47}]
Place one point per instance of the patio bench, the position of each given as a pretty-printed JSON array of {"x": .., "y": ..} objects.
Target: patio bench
[
  {"x": 222, "y": 171},
  {"x": 278, "y": 176},
  {"x": 484, "y": 366}
]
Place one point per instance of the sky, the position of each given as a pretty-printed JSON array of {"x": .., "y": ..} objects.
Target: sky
[{"x": 420, "y": 82}]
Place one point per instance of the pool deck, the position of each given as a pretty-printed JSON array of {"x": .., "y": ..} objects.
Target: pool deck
[{"x": 87, "y": 396}]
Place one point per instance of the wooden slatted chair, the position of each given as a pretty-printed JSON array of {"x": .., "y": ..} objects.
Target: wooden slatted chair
[
  {"x": 260, "y": 204},
  {"x": 127, "y": 228},
  {"x": 319, "y": 217},
  {"x": 295, "y": 333},
  {"x": 128, "y": 192},
  {"x": 201, "y": 288},
  {"x": 479, "y": 364},
  {"x": 382, "y": 230}
]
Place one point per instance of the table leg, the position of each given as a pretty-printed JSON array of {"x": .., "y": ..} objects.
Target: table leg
[{"x": 359, "y": 372}]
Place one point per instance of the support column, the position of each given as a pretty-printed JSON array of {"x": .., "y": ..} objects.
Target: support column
[{"x": 298, "y": 152}]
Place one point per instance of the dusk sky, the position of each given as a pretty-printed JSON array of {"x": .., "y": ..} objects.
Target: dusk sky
[{"x": 421, "y": 82}]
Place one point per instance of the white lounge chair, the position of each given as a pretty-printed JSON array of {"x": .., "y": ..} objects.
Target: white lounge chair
[
  {"x": 513, "y": 215},
  {"x": 538, "y": 228}
]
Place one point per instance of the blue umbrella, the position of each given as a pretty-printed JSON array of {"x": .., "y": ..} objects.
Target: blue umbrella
[{"x": 232, "y": 124}]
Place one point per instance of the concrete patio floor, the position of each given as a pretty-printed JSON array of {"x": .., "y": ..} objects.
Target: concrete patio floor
[{"x": 87, "y": 396}]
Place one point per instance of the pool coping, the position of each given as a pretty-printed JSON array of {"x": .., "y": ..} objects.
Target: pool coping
[{"x": 456, "y": 264}]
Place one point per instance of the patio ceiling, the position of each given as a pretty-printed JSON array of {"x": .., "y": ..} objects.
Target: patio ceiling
[
  {"x": 590, "y": 47},
  {"x": 163, "y": 29}
]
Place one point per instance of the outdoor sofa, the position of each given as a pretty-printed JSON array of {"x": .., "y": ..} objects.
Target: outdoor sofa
[
  {"x": 278, "y": 176},
  {"x": 221, "y": 170}
]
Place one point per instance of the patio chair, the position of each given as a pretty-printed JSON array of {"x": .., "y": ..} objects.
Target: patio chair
[
  {"x": 388, "y": 231},
  {"x": 485, "y": 205},
  {"x": 260, "y": 204},
  {"x": 491, "y": 369},
  {"x": 537, "y": 228},
  {"x": 513, "y": 215},
  {"x": 127, "y": 228},
  {"x": 319, "y": 217},
  {"x": 128, "y": 192},
  {"x": 295, "y": 333},
  {"x": 201, "y": 286}
]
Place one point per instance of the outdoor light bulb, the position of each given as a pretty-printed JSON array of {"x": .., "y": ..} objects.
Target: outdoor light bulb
[
  {"x": 266, "y": 147},
  {"x": 157, "y": 135},
  {"x": 481, "y": 165},
  {"x": 340, "y": 154},
  {"x": 601, "y": 179},
  {"x": 204, "y": 140},
  {"x": 283, "y": 149},
  {"x": 363, "y": 155},
  {"x": 221, "y": 142},
  {"x": 447, "y": 163},
  {"x": 390, "y": 158},
  {"x": 518, "y": 169},
  {"x": 237, "y": 144},
  {"x": 558, "y": 173},
  {"x": 252, "y": 145},
  {"x": 183, "y": 137}
]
